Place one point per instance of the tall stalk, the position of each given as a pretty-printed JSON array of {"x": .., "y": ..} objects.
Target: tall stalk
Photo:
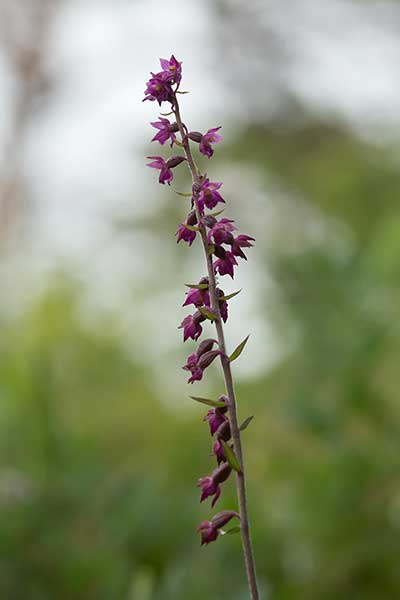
[{"x": 210, "y": 303}]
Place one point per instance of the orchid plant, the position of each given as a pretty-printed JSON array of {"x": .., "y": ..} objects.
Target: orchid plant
[{"x": 222, "y": 248}]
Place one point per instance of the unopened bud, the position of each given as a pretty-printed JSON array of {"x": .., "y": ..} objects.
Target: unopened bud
[
  {"x": 205, "y": 346},
  {"x": 206, "y": 359},
  {"x": 222, "y": 473},
  {"x": 173, "y": 127},
  {"x": 209, "y": 221},
  {"x": 191, "y": 218},
  {"x": 223, "y": 517},
  {"x": 224, "y": 431},
  {"x": 195, "y": 136},
  {"x": 174, "y": 161},
  {"x": 220, "y": 252},
  {"x": 198, "y": 317}
]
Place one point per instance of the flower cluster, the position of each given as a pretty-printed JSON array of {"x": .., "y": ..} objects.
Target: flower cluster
[
  {"x": 223, "y": 246},
  {"x": 160, "y": 85}
]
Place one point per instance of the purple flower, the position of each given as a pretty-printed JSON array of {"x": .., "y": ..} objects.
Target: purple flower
[
  {"x": 241, "y": 241},
  {"x": 185, "y": 234},
  {"x": 165, "y": 166},
  {"x": 221, "y": 232},
  {"x": 159, "y": 88},
  {"x": 224, "y": 266},
  {"x": 166, "y": 175},
  {"x": 166, "y": 131},
  {"x": 172, "y": 68},
  {"x": 209, "y": 195},
  {"x": 210, "y": 486},
  {"x": 200, "y": 360},
  {"x": 215, "y": 418},
  {"x": 210, "y": 137},
  {"x": 209, "y": 530},
  {"x": 193, "y": 367},
  {"x": 197, "y": 297},
  {"x": 191, "y": 326},
  {"x": 223, "y": 306}
]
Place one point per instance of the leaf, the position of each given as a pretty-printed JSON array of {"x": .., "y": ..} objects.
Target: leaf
[
  {"x": 178, "y": 143},
  {"x": 235, "y": 529},
  {"x": 246, "y": 423},
  {"x": 214, "y": 403},
  {"x": 231, "y": 457},
  {"x": 216, "y": 213},
  {"x": 182, "y": 92},
  {"x": 238, "y": 351},
  {"x": 211, "y": 248},
  {"x": 229, "y": 296},
  {"x": 206, "y": 312},
  {"x": 185, "y": 194},
  {"x": 167, "y": 114},
  {"x": 190, "y": 227},
  {"x": 197, "y": 286}
]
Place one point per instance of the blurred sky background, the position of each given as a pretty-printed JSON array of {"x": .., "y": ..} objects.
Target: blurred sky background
[{"x": 307, "y": 93}]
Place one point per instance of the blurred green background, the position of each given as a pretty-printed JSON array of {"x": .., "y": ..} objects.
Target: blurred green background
[{"x": 100, "y": 446}]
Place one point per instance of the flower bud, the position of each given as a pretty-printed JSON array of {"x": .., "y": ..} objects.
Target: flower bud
[
  {"x": 220, "y": 252},
  {"x": 205, "y": 346},
  {"x": 191, "y": 218},
  {"x": 206, "y": 359},
  {"x": 222, "y": 518},
  {"x": 224, "y": 431},
  {"x": 174, "y": 127},
  {"x": 209, "y": 221},
  {"x": 195, "y": 136},
  {"x": 222, "y": 473},
  {"x": 198, "y": 317},
  {"x": 174, "y": 161}
]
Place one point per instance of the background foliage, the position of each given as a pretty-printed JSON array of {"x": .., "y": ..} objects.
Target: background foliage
[{"x": 98, "y": 469}]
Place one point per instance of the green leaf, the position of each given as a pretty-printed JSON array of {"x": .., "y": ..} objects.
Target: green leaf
[
  {"x": 206, "y": 312},
  {"x": 246, "y": 423},
  {"x": 238, "y": 351},
  {"x": 231, "y": 457},
  {"x": 229, "y": 296},
  {"x": 182, "y": 92},
  {"x": 167, "y": 114},
  {"x": 235, "y": 529},
  {"x": 185, "y": 194},
  {"x": 190, "y": 227},
  {"x": 216, "y": 213},
  {"x": 214, "y": 403},
  {"x": 211, "y": 248},
  {"x": 197, "y": 286},
  {"x": 178, "y": 143}
]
